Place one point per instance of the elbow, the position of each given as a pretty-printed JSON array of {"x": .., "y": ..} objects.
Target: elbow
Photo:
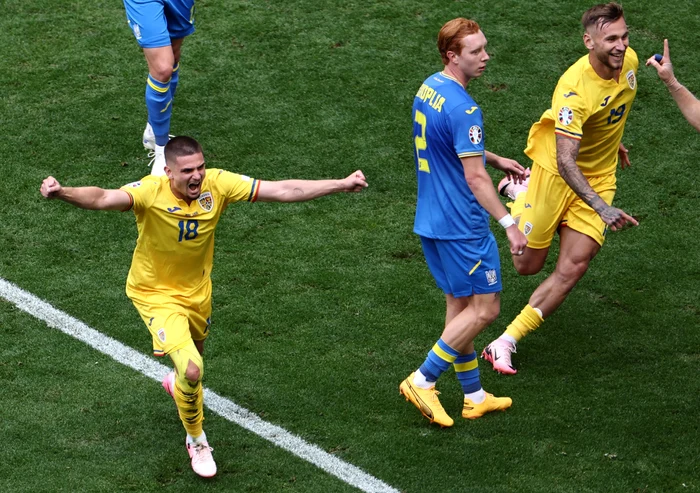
[
  {"x": 561, "y": 168},
  {"x": 475, "y": 181}
]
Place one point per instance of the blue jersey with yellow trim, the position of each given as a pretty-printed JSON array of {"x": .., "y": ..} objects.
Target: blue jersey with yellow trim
[
  {"x": 447, "y": 125},
  {"x": 590, "y": 109},
  {"x": 174, "y": 251}
]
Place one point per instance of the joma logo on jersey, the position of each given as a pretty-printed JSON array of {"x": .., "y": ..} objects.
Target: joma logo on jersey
[
  {"x": 471, "y": 110},
  {"x": 206, "y": 201}
]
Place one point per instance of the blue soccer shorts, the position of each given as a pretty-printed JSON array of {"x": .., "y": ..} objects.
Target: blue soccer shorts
[
  {"x": 464, "y": 267},
  {"x": 155, "y": 22}
]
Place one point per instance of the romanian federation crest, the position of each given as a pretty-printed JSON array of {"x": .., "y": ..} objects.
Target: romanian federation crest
[
  {"x": 206, "y": 201},
  {"x": 475, "y": 134},
  {"x": 161, "y": 335},
  {"x": 566, "y": 116},
  {"x": 527, "y": 229},
  {"x": 631, "y": 79}
]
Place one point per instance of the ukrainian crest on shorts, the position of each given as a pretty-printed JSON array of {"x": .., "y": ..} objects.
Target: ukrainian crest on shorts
[
  {"x": 475, "y": 134},
  {"x": 565, "y": 115},
  {"x": 206, "y": 201},
  {"x": 491, "y": 277},
  {"x": 631, "y": 79}
]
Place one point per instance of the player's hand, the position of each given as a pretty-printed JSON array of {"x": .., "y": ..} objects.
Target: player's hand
[
  {"x": 355, "y": 182},
  {"x": 517, "y": 240},
  {"x": 617, "y": 218},
  {"x": 665, "y": 68},
  {"x": 623, "y": 153},
  {"x": 513, "y": 169},
  {"x": 50, "y": 188}
]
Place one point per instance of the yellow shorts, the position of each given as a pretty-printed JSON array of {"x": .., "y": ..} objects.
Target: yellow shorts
[
  {"x": 550, "y": 204},
  {"x": 172, "y": 325}
]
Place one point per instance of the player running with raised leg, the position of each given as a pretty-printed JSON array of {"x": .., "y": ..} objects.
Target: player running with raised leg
[{"x": 575, "y": 148}]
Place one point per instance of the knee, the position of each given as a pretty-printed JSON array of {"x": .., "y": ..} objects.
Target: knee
[
  {"x": 193, "y": 373},
  {"x": 525, "y": 268},
  {"x": 162, "y": 71},
  {"x": 570, "y": 273},
  {"x": 488, "y": 314}
]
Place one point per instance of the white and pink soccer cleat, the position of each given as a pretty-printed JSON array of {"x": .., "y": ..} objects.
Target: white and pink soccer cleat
[
  {"x": 498, "y": 353},
  {"x": 510, "y": 189},
  {"x": 201, "y": 459}
]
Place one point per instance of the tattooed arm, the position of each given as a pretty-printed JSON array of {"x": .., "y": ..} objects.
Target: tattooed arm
[{"x": 567, "y": 152}]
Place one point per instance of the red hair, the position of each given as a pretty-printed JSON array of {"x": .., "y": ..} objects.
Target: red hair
[{"x": 451, "y": 36}]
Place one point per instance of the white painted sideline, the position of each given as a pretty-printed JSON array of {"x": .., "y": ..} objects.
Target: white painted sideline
[{"x": 57, "y": 319}]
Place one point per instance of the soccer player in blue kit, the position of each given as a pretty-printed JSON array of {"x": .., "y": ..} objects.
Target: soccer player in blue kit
[
  {"x": 455, "y": 198},
  {"x": 160, "y": 27}
]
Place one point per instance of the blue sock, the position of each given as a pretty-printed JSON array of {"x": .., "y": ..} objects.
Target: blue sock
[
  {"x": 439, "y": 359},
  {"x": 174, "y": 79},
  {"x": 159, "y": 104},
  {"x": 467, "y": 370}
]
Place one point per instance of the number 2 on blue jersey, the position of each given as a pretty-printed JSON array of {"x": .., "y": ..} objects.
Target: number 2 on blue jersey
[
  {"x": 188, "y": 229},
  {"x": 420, "y": 142}
]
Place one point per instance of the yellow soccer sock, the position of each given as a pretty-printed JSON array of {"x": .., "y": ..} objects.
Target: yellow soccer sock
[
  {"x": 188, "y": 395},
  {"x": 527, "y": 321}
]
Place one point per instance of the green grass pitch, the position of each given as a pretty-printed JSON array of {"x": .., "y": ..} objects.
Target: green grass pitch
[{"x": 322, "y": 308}]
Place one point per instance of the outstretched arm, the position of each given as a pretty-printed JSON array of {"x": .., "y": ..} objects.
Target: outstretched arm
[
  {"x": 303, "y": 190},
  {"x": 93, "y": 198},
  {"x": 567, "y": 152},
  {"x": 688, "y": 104}
]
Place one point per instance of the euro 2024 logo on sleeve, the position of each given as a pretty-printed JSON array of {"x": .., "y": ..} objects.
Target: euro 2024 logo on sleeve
[
  {"x": 565, "y": 116},
  {"x": 475, "y": 134}
]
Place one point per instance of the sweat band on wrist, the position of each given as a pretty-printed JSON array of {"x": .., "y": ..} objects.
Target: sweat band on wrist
[{"x": 506, "y": 221}]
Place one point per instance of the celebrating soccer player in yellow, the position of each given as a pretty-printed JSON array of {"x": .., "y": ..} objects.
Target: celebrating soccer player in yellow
[
  {"x": 169, "y": 280},
  {"x": 575, "y": 149}
]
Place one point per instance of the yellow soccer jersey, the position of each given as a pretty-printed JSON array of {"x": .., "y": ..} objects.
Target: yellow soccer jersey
[
  {"x": 590, "y": 109},
  {"x": 175, "y": 246}
]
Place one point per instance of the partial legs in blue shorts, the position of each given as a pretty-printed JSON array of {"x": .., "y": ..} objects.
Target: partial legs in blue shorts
[{"x": 160, "y": 26}]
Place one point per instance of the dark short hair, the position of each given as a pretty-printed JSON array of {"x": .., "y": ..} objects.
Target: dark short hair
[
  {"x": 601, "y": 15},
  {"x": 451, "y": 35},
  {"x": 181, "y": 146}
]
